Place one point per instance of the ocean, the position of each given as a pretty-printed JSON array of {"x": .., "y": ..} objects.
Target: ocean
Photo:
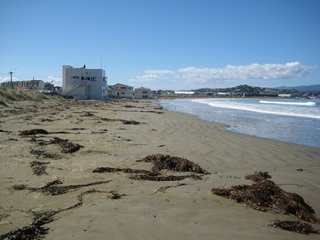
[{"x": 289, "y": 120}]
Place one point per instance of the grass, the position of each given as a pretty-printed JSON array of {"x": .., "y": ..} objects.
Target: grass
[{"x": 8, "y": 95}]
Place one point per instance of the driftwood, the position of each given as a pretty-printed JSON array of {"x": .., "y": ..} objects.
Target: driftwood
[
  {"x": 265, "y": 195},
  {"x": 168, "y": 162},
  {"x": 294, "y": 226}
]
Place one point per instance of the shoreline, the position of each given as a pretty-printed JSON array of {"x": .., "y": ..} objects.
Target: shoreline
[
  {"x": 302, "y": 135},
  {"x": 116, "y": 135}
]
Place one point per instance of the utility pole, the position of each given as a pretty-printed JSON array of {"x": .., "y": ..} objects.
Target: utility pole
[
  {"x": 11, "y": 85},
  {"x": 11, "y": 77}
]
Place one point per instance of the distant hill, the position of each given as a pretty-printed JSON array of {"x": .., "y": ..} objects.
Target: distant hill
[{"x": 310, "y": 88}]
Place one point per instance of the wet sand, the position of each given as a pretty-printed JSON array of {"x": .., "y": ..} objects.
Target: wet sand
[{"x": 112, "y": 205}]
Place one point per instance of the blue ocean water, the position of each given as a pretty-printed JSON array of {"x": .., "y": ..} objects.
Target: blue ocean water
[{"x": 288, "y": 120}]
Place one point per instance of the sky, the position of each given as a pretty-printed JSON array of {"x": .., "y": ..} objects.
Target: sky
[{"x": 164, "y": 44}]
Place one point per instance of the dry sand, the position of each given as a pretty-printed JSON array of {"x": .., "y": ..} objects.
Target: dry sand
[{"x": 124, "y": 208}]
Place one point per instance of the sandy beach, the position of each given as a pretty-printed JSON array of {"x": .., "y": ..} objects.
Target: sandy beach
[{"x": 115, "y": 202}]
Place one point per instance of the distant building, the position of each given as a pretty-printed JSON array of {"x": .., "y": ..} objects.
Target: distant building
[
  {"x": 120, "y": 91},
  {"x": 224, "y": 94},
  {"x": 142, "y": 93},
  {"x": 25, "y": 85},
  {"x": 284, "y": 95},
  {"x": 83, "y": 83}
]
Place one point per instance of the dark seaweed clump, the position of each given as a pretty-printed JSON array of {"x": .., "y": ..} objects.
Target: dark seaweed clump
[
  {"x": 161, "y": 161},
  {"x": 294, "y": 226},
  {"x": 265, "y": 195}
]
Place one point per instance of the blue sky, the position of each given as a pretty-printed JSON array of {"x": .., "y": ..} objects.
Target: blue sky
[{"x": 164, "y": 44}]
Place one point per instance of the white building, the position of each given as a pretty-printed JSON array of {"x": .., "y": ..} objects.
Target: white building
[
  {"x": 142, "y": 92},
  {"x": 83, "y": 83},
  {"x": 120, "y": 91}
]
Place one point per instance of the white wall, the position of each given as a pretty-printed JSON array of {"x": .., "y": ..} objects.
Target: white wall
[{"x": 83, "y": 83}]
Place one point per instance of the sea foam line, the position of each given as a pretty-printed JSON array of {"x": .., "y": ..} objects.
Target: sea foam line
[
  {"x": 289, "y": 103},
  {"x": 252, "y": 109}
]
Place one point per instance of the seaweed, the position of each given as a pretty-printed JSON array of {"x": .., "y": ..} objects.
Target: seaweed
[
  {"x": 294, "y": 226},
  {"x": 66, "y": 145},
  {"x": 39, "y": 168},
  {"x": 157, "y": 177},
  {"x": 51, "y": 188},
  {"x": 265, "y": 195},
  {"x": 36, "y": 229},
  {"x": 33, "y": 132},
  {"x": 258, "y": 176},
  {"x": 127, "y": 122},
  {"x": 125, "y": 170},
  {"x": 161, "y": 162}
]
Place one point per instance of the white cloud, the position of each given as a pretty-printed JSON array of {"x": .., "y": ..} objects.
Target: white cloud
[
  {"x": 253, "y": 71},
  {"x": 228, "y": 73},
  {"x": 57, "y": 81}
]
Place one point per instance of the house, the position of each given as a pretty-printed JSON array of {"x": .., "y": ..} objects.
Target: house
[
  {"x": 25, "y": 85},
  {"x": 142, "y": 92},
  {"x": 83, "y": 83},
  {"x": 120, "y": 91}
]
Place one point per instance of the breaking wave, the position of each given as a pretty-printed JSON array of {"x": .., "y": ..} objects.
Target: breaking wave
[{"x": 289, "y": 103}]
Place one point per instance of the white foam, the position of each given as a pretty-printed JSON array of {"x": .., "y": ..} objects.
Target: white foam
[
  {"x": 290, "y": 103},
  {"x": 263, "y": 108}
]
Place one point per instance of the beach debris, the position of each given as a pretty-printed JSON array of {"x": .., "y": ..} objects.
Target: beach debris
[
  {"x": 265, "y": 195},
  {"x": 125, "y": 170},
  {"x": 161, "y": 161},
  {"x": 46, "y": 120},
  {"x": 164, "y": 188},
  {"x": 87, "y": 114},
  {"x": 36, "y": 229},
  {"x": 127, "y": 122},
  {"x": 258, "y": 176},
  {"x": 130, "y": 122},
  {"x": 39, "y": 168},
  {"x": 66, "y": 145},
  {"x": 294, "y": 226},
  {"x": 157, "y": 177},
  {"x": 51, "y": 188},
  {"x": 5, "y": 131},
  {"x": 116, "y": 195},
  {"x": 19, "y": 187},
  {"x": 44, "y": 154},
  {"x": 33, "y": 132}
]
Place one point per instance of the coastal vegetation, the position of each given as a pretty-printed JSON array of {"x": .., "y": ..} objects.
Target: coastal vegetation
[{"x": 8, "y": 95}]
